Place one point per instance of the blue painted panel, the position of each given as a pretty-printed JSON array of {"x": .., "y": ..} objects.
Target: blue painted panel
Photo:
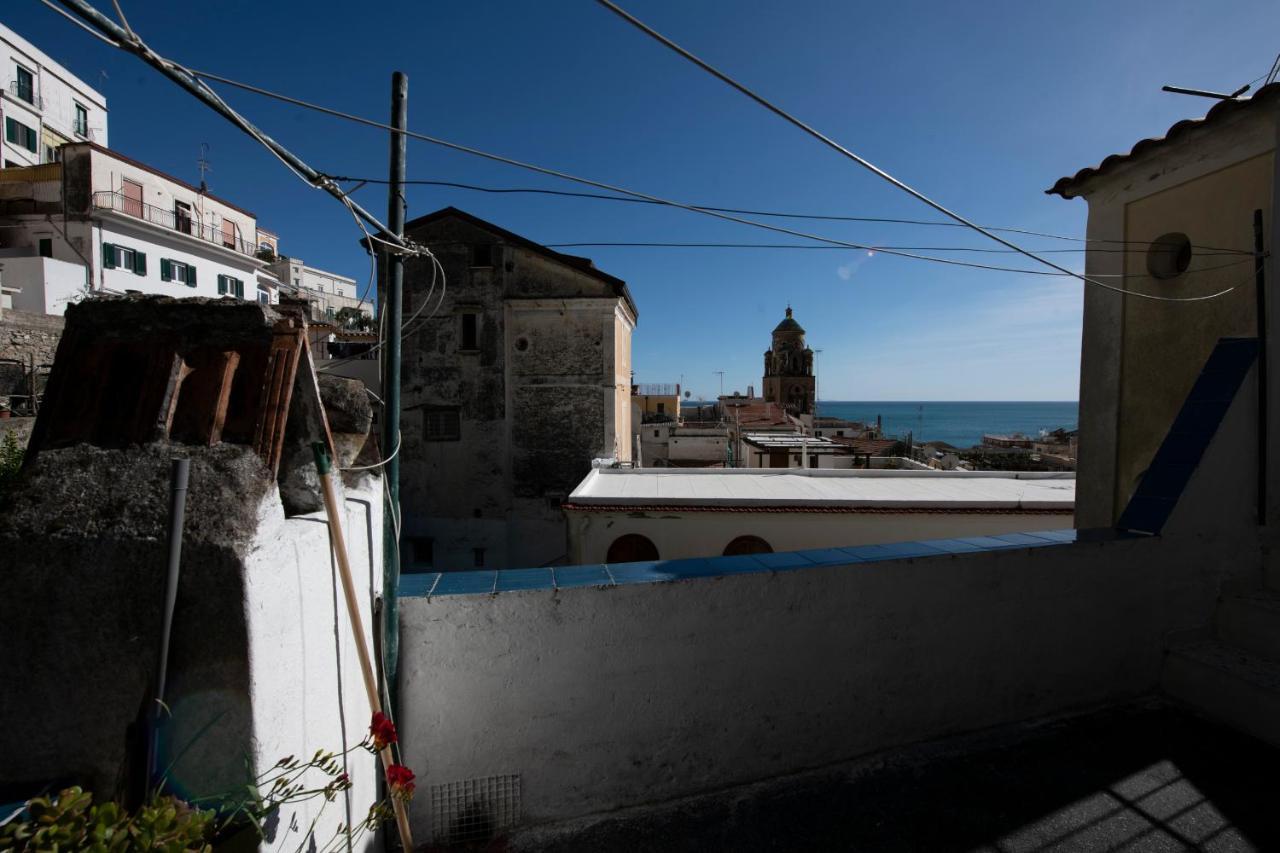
[
  {"x": 829, "y": 556},
  {"x": 989, "y": 543},
  {"x": 1026, "y": 540},
  {"x": 654, "y": 572},
  {"x": 895, "y": 551},
  {"x": 571, "y": 576},
  {"x": 466, "y": 583},
  {"x": 512, "y": 579},
  {"x": 783, "y": 560},
  {"x": 417, "y": 583},
  {"x": 1055, "y": 535}
]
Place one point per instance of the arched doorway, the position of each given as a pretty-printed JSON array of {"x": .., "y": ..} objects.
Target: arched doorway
[
  {"x": 631, "y": 548},
  {"x": 747, "y": 545}
]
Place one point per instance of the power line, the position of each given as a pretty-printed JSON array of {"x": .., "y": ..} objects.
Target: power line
[
  {"x": 861, "y": 161},
  {"x": 128, "y": 41},
  {"x": 979, "y": 249},
  {"x": 815, "y": 216},
  {"x": 555, "y": 173}
]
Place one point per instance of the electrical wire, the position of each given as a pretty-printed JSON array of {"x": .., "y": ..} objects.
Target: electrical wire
[
  {"x": 377, "y": 464},
  {"x": 81, "y": 24},
  {"x": 656, "y": 200},
  {"x": 978, "y": 249},
  {"x": 750, "y": 212},
  {"x": 867, "y": 164}
]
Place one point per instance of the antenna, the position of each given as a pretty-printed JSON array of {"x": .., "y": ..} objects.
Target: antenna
[
  {"x": 203, "y": 165},
  {"x": 1203, "y": 93},
  {"x": 720, "y": 373}
]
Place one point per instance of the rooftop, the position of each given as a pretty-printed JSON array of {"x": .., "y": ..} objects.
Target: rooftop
[
  {"x": 791, "y": 441},
  {"x": 825, "y": 488}
]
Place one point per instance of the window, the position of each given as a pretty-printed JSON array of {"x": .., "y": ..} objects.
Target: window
[
  {"x": 19, "y": 134},
  {"x": 441, "y": 424},
  {"x": 46, "y": 247},
  {"x": 422, "y": 550},
  {"x": 132, "y": 193},
  {"x": 122, "y": 257},
  {"x": 655, "y": 433},
  {"x": 228, "y": 286},
  {"x": 747, "y": 545},
  {"x": 264, "y": 296},
  {"x": 182, "y": 216},
  {"x": 25, "y": 85},
  {"x": 482, "y": 255},
  {"x": 1169, "y": 256},
  {"x": 81, "y": 122},
  {"x": 662, "y": 408},
  {"x": 228, "y": 233},
  {"x": 53, "y": 154},
  {"x": 631, "y": 548},
  {"x": 478, "y": 557},
  {"x": 469, "y": 338},
  {"x": 177, "y": 271}
]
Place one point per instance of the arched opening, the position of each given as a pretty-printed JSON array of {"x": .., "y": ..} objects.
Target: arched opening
[
  {"x": 747, "y": 545},
  {"x": 631, "y": 548}
]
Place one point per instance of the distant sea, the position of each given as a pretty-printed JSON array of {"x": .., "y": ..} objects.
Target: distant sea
[{"x": 960, "y": 424}]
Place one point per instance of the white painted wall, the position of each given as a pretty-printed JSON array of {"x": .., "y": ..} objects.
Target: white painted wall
[
  {"x": 58, "y": 88},
  {"x": 678, "y": 534},
  {"x": 48, "y": 285},
  {"x": 210, "y": 262},
  {"x": 306, "y": 691}
]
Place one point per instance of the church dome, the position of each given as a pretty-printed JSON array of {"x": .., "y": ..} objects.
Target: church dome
[{"x": 789, "y": 324}]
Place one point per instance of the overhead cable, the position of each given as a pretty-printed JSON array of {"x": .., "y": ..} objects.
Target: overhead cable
[
  {"x": 863, "y": 162},
  {"x": 656, "y": 200}
]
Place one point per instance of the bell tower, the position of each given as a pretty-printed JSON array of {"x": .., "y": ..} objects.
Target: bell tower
[{"x": 788, "y": 368}]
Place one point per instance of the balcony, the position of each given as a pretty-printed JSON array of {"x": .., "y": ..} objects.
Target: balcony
[
  {"x": 26, "y": 92},
  {"x": 189, "y": 225}
]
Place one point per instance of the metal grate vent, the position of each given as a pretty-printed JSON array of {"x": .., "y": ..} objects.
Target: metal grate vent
[{"x": 474, "y": 809}]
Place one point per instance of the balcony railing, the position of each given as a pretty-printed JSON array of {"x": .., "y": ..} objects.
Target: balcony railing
[
  {"x": 26, "y": 93},
  {"x": 190, "y": 225}
]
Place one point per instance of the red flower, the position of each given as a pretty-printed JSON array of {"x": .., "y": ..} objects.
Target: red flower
[
  {"x": 382, "y": 731},
  {"x": 400, "y": 779}
]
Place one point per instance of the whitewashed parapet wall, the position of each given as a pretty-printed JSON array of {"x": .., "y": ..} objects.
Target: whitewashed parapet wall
[{"x": 609, "y": 687}]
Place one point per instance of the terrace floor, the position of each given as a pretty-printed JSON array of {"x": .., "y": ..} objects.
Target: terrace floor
[{"x": 1142, "y": 778}]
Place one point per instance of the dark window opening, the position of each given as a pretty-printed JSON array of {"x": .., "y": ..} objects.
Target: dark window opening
[
  {"x": 747, "y": 545},
  {"x": 631, "y": 548},
  {"x": 440, "y": 425},
  {"x": 469, "y": 335},
  {"x": 478, "y": 555},
  {"x": 421, "y": 548},
  {"x": 482, "y": 255},
  {"x": 25, "y": 85},
  {"x": 662, "y": 408},
  {"x": 182, "y": 217},
  {"x": 46, "y": 247}
]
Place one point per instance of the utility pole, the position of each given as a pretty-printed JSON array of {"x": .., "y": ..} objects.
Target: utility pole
[{"x": 393, "y": 304}]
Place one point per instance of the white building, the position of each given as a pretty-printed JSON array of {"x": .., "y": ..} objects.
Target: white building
[
  {"x": 328, "y": 292},
  {"x": 619, "y": 515},
  {"x": 124, "y": 227},
  {"x": 43, "y": 106}
]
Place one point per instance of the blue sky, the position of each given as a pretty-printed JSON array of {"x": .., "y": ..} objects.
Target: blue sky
[{"x": 981, "y": 106}]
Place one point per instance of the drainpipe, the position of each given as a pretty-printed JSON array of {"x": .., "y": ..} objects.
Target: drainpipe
[
  {"x": 1261, "y": 291},
  {"x": 179, "y": 474}
]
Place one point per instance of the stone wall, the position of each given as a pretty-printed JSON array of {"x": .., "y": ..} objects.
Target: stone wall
[{"x": 24, "y": 335}]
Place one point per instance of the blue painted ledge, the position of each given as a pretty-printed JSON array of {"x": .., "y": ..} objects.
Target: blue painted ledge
[{"x": 493, "y": 582}]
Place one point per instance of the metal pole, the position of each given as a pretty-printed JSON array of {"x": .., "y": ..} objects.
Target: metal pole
[
  {"x": 1261, "y": 292},
  {"x": 393, "y": 304},
  {"x": 179, "y": 473}
]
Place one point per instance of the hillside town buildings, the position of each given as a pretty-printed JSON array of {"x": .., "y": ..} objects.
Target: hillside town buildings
[
  {"x": 43, "y": 106},
  {"x": 513, "y": 384}
]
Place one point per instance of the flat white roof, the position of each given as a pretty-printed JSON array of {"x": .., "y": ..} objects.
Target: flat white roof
[{"x": 795, "y": 487}]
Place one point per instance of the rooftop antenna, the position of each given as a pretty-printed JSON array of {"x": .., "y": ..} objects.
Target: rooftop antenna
[
  {"x": 720, "y": 373},
  {"x": 203, "y": 165},
  {"x": 1203, "y": 93}
]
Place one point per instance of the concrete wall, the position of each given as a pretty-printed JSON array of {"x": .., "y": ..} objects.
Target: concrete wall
[
  {"x": 58, "y": 88},
  {"x": 630, "y": 689},
  {"x": 48, "y": 285},
  {"x": 679, "y": 534},
  {"x": 1139, "y": 357},
  {"x": 262, "y": 659},
  {"x": 210, "y": 261}
]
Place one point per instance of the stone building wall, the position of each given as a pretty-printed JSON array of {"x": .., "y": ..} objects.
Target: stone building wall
[{"x": 24, "y": 335}]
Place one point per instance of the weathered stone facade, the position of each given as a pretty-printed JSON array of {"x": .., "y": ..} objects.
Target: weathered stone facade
[
  {"x": 27, "y": 343},
  {"x": 514, "y": 383}
]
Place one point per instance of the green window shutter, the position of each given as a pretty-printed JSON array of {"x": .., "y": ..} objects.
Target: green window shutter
[
  {"x": 108, "y": 256},
  {"x": 139, "y": 263},
  {"x": 166, "y": 269},
  {"x": 191, "y": 276},
  {"x": 239, "y": 288},
  {"x": 222, "y": 285}
]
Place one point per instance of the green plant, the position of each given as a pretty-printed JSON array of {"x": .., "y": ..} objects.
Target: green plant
[
  {"x": 352, "y": 318},
  {"x": 10, "y": 460},
  {"x": 70, "y": 821}
]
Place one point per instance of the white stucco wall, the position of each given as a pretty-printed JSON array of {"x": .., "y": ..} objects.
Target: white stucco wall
[
  {"x": 678, "y": 534},
  {"x": 306, "y": 691},
  {"x": 58, "y": 88},
  {"x": 209, "y": 261},
  {"x": 48, "y": 285}
]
